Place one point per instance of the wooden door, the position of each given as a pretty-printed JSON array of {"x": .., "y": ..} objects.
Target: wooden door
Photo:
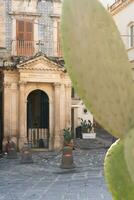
[{"x": 24, "y": 35}]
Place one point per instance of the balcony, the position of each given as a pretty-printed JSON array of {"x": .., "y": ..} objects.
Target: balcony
[
  {"x": 30, "y": 48},
  {"x": 23, "y": 48}
]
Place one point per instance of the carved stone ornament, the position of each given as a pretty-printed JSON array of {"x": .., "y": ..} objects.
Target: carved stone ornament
[
  {"x": 22, "y": 83},
  {"x": 68, "y": 85},
  {"x": 57, "y": 84},
  {"x": 7, "y": 84}
]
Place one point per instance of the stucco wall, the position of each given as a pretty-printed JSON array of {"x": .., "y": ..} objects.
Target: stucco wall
[{"x": 122, "y": 19}]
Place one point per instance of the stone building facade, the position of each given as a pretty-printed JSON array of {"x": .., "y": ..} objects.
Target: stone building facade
[
  {"x": 30, "y": 28},
  {"x": 123, "y": 15},
  {"x": 27, "y": 28},
  {"x": 37, "y": 103},
  {"x": 36, "y": 22}
]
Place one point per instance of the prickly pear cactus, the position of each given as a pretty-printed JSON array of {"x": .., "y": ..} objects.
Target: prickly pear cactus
[
  {"x": 116, "y": 172},
  {"x": 97, "y": 63}
]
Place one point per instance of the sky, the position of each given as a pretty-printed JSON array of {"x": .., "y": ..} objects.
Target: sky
[{"x": 106, "y": 2}]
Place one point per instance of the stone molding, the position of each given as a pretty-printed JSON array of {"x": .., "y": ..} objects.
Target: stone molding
[
  {"x": 29, "y": 14},
  {"x": 7, "y": 85},
  {"x": 117, "y": 6},
  {"x": 14, "y": 86},
  {"x": 57, "y": 84},
  {"x": 48, "y": 65},
  {"x": 68, "y": 85},
  {"x": 22, "y": 82},
  {"x": 57, "y": 16}
]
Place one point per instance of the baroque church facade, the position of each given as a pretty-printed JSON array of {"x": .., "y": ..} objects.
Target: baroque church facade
[
  {"x": 35, "y": 90},
  {"x": 37, "y": 102}
]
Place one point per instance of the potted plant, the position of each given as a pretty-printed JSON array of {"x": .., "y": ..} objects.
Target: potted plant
[
  {"x": 87, "y": 129},
  {"x": 86, "y": 125},
  {"x": 67, "y": 134}
]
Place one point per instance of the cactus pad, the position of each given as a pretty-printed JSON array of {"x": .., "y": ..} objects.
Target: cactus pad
[
  {"x": 116, "y": 173},
  {"x": 97, "y": 64}
]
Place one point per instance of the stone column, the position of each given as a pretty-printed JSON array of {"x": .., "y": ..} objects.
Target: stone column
[
  {"x": 7, "y": 111},
  {"x": 51, "y": 124},
  {"x": 22, "y": 115},
  {"x": 68, "y": 105},
  {"x": 14, "y": 112},
  {"x": 57, "y": 131}
]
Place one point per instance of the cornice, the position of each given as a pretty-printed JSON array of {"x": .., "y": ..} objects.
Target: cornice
[
  {"x": 118, "y": 6},
  {"x": 55, "y": 16},
  {"x": 54, "y": 0},
  {"x": 25, "y": 13},
  {"x": 48, "y": 65}
]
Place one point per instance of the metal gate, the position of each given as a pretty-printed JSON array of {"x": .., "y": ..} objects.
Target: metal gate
[
  {"x": 38, "y": 137},
  {"x": 38, "y": 119}
]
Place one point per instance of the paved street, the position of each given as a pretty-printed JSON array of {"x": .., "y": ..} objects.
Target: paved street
[{"x": 45, "y": 180}]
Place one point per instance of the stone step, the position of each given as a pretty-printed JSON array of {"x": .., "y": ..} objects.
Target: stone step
[{"x": 91, "y": 143}]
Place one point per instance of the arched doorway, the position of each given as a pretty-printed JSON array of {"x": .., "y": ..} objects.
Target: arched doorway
[{"x": 38, "y": 119}]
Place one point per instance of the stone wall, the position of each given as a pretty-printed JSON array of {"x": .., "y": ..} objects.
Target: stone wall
[
  {"x": 2, "y": 24},
  {"x": 45, "y": 14},
  {"x": 8, "y": 23},
  {"x": 45, "y": 27}
]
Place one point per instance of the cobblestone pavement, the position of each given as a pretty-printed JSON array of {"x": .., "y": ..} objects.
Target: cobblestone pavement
[{"x": 45, "y": 180}]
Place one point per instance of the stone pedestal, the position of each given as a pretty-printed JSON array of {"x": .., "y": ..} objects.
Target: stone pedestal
[
  {"x": 67, "y": 158},
  {"x": 26, "y": 155},
  {"x": 11, "y": 150}
]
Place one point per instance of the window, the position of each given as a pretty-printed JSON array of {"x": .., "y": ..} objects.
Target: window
[
  {"x": 24, "y": 37},
  {"x": 74, "y": 95},
  {"x": 131, "y": 35}
]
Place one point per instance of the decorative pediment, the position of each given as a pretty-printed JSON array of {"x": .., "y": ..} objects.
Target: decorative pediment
[{"x": 40, "y": 63}]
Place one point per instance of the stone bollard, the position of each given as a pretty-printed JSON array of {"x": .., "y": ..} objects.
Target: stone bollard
[
  {"x": 11, "y": 150},
  {"x": 26, "y": 155},
  {"x": 67, "y": 158}
]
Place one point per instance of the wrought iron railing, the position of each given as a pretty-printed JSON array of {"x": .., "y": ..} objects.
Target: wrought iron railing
[
  {"x": 23, "y": 48},
  {"x": 30, "y": 48},
  {"x": 38, "y": 137}
]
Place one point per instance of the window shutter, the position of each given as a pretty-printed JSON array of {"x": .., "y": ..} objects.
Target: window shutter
[
  {"x": 20, "y": 30},
  {"x": 28, "y": 31}
]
